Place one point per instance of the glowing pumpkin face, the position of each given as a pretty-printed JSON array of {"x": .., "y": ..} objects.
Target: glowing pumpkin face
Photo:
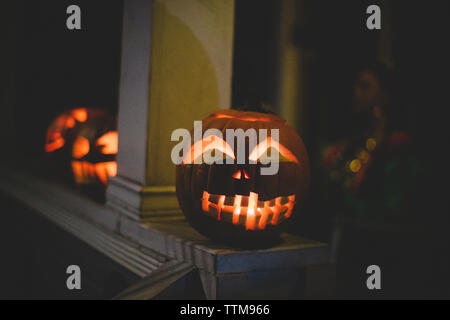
[
  {"x": 94, "y": 152},
  {"x": 61, "y": 128},
  {"x": 235, "y": 201},
  {"x": 86, "y": 140}
]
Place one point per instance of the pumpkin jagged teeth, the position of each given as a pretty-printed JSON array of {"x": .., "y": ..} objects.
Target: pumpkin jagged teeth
[
  {"x": 229, "y": 201},
  {"x": 247, "y": 210}
]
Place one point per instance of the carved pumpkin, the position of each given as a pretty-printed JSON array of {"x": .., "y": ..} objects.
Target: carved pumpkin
[
  {"x": 63, "y": 129},
  {"x": 83, "y": 141},
  {"x": 235, "y": 203},
  {"x": 94, "y": 151}
]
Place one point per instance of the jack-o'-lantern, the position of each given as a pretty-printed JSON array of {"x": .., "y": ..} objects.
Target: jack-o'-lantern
[
  {"x": 236, "y": 203},
  {"x": 94, "y": 151},
  {"x": 62, "y": 130},
  {"x": 82, "y": 143},
  {"x": 61, "y": 135}
]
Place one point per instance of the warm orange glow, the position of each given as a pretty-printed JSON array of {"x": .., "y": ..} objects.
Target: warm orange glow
[
  {"x": 110, "y": 168},
  {"x": 205, "y": 201},
  {"x": 265, "y": 212},
  {"x": 70, "y": 122},
  {"x": 250, "y": 119},
  {"x": 60, "y": 125},
  {"x": 251, "y": 211},
  {"x": 109, "y": 142},
  {"x": 54, "y": 141},
  {"x": 100, "y": 171},
  {"x": 80, "y": 114},
  {"x": 290, "y": 206},
  {"x": 64, "y": 121},
  {"x": 77, "y": 169},
  {"x": 86, "y": 172},
  {"x": 237, "y": 175},
  {"x": 220, "y": 206},
  {"x": 207, "y": 144},
  {"x": 237, "y": 209},
  {"x": 247, "y": 210},
  {"x": 277, "y": 210},
  {"x": 262, "y": 147},
  {"x": 80, "y": 147}
]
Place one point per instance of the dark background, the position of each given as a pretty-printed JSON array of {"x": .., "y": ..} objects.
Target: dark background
[
  {"x": 413, "y": 253},
  {"x": 56, "y": 69}
]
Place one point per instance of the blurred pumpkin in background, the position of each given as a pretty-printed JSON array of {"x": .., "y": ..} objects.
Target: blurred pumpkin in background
[
  {"x": 63, "y": 129},
  {"x": 94, "y": 151},
  {"x": 82, "y": 143}
]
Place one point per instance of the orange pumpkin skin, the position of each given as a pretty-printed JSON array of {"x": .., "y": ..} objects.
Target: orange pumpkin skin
[{"x": 202, "y": 188}]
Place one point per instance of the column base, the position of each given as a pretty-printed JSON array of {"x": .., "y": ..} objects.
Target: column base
[{"x": 138, "y": 202}]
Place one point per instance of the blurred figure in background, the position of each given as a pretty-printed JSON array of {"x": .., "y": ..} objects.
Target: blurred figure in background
[
  {"x": 370, "y": 168},
  {"x": 369, "y": 181}
]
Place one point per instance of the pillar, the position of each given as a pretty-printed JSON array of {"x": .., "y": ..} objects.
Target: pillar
[{"x": 175, "y": 68}]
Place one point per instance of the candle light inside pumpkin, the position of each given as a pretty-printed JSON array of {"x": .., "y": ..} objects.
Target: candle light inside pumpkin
[
  {"x": 237, "y": 208},
  {"x": 252, "y": 202}
]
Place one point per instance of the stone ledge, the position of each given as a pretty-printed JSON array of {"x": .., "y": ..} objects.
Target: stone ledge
[{"x": 167, "y": 236}]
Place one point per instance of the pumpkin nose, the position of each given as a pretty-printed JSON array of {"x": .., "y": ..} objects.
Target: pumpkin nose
[{"x": 241, "y": 173}]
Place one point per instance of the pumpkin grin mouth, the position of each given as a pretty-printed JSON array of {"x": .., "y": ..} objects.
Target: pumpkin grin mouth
[
  {"x": 248, "y": 211},
  {"x": 84, "y": 171}
]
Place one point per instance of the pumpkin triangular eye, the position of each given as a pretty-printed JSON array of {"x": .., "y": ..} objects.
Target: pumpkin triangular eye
[
  {"x": 238, "y": 175},
  {"x": 80, "y": 147},
  {"x": 108, "y": 142}
]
